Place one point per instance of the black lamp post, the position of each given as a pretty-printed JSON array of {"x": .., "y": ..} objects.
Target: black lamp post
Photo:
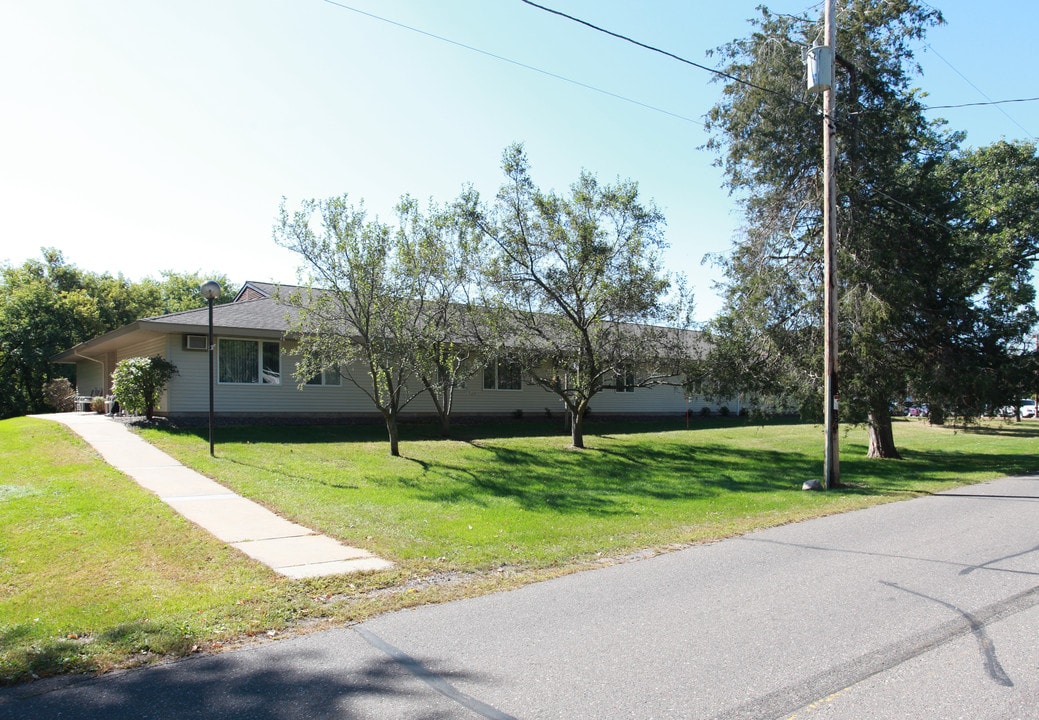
[{"x": 210, "y": 291}]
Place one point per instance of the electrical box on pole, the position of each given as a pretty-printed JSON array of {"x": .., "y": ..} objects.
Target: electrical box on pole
[{"x": 820, "y": 69}]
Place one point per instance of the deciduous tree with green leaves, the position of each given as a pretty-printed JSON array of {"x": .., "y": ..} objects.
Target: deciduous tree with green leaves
[
  {"x": 48, "y": 305},
  {"x": 443, "y": 257},
  {"x": 44, "y": 309},
  {"x": 578, "y": 284},
  {"x": 366, "y": 313},
  {"x": 178, "y": 291},
  {"x": 985, "y": 356}
]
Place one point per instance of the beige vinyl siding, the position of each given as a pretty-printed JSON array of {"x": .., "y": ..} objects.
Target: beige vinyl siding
[
  {"x": 657, "y": 399},
  {"x": 89, "y": 378},
  {"x": 144, "y": 348},
  {"x": 188, "y": 393},
  {"x": 92, "y": 376},
  {"x": 532, "y": 399},
  {"x": 475, "y": 399}
]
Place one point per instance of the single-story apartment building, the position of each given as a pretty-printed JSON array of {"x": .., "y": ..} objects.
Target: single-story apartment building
[{"x": 255, "y": 366}]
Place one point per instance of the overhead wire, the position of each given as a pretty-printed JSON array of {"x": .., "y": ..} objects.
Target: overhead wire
[
  {"x": 639, "y": 103},
  {"x": 922, "y": 214},
  {"x": 666, "y": 53},
  {"x": 719, "y": 73},
  {"x": 989, "y": 101},
  {"x": 969, "y": 82},
  {"x": 992, "y": 102},
  {"x": 515, "y": 62},
  {"x": 980, "y": 104}
]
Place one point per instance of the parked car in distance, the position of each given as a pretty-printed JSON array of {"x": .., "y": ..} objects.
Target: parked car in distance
[
  {"x": 1026, "y": 407},
  {"x": 917, "y": 410}
]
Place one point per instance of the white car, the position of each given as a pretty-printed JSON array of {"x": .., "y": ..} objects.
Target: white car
[
  {"x": 1025, "y": 406},
  {"x": 1028, "y": 408}
]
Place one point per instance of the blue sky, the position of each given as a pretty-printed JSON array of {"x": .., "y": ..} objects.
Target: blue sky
[{"x": 138, "y": 136}]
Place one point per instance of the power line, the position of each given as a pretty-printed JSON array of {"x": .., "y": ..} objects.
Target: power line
[
  {"x": 981, "y": 104},
  {"x": 910, "y": 208},
  {"x": 639, "y": 103},
  {"x": 990, "y": 101},
  {"x": 980, "y": 91},
  {"x": 967, "y": 80},
  {"x": 516, "y": 63},
  {"x": 923, "y": 215},
  {"x": 671, "y": 55}
]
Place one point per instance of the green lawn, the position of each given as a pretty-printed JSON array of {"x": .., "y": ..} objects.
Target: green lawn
[
  {"x": 515, "y": 494},
  {"x": 96, "y": 572}
]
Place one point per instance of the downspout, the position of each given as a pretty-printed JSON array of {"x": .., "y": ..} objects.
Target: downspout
[{"x": 104, "y": 371}]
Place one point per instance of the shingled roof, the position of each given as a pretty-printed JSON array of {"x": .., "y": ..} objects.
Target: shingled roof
[
  {"x": 256, "y": 311},
  {"x": 262, "y": 316}
]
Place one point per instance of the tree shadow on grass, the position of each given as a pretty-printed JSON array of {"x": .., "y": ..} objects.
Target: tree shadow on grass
[
  {"x": 615, "y": 479},
  {"x": 299, "y": 434},
  {"x": 44, "y": 657},
  {"x": 609, "y": 481},
  {"x": 614, "y": 476},
  {"x": 1004, "y": 428},
  {"x": 942, "y": 467},
  {"x": 464, "y": 430},
  {"x": 294, "y": 476}
]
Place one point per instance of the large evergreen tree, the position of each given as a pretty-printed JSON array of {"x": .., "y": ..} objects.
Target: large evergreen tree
[{"x": 918, "y": 301}]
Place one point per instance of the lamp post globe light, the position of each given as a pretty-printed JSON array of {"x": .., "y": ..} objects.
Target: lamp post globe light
[{"x": 210, "y": 291}]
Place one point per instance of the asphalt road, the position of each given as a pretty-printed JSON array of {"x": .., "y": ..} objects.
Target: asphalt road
[{"x": 927, "y": 608}]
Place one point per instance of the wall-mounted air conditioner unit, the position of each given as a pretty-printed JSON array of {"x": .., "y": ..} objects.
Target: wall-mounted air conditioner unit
[{"x": 196, "y": 342}]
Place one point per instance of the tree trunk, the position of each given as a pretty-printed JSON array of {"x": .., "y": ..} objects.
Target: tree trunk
[
  {"x": 443, "y": 408},
  {"x": 577, "y": 428},
  {"x": 393, "y": 432},
  {"x": 936, "y": 415},
  {"x": 443, "y": 415},
  {"x": 881, "y": 437}
]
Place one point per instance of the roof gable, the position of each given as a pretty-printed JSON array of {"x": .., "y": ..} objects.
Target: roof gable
[{"x": 255, "y": 291}]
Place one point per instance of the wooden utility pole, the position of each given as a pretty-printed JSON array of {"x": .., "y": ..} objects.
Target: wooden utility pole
[
  {"x": 832, "y": 468},
  {"x": 821, "y": 72}
]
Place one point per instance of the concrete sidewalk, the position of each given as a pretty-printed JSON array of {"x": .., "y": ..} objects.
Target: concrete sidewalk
[{"x": 284, "y": 546}]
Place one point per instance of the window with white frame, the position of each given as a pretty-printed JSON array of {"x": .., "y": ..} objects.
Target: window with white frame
[
  {"x": 249, "y": 362},
  {"x": 326, "y": 377},
  {"x": 503, "y": 375}
]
